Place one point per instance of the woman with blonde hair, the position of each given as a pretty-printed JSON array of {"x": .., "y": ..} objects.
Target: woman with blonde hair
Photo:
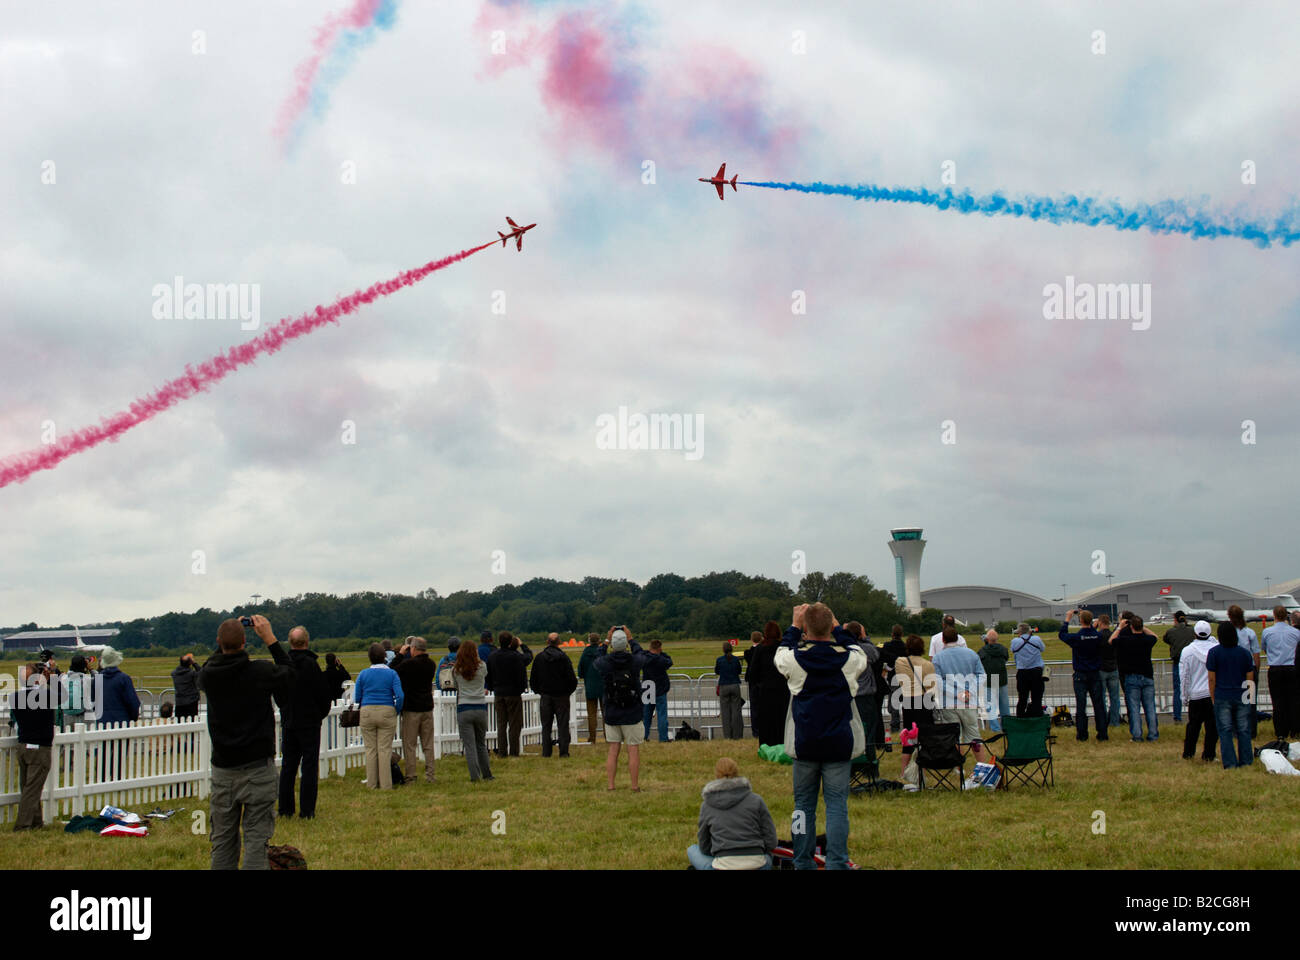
[{"x": 736, "y": 831}]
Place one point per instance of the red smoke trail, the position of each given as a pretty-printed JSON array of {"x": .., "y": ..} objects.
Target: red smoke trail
[{"x": 20, "y": 466}]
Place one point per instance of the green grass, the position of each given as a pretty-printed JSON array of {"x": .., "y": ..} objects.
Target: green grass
[{"x": 1161, "y": 812}]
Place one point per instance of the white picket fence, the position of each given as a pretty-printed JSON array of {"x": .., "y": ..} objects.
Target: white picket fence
[{"x": 137, "y": 766}]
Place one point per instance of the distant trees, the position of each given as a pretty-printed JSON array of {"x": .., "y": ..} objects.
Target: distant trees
[{"x": 717, "y": 605}]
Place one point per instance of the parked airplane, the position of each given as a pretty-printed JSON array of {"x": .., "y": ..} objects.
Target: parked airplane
[
  {"x": 1176, "y": 604},
  {"x": 721, "y": 180},
  {"x": 517, "y": 234}
]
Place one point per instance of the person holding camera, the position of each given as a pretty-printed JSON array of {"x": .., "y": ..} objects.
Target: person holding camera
[
  {"x": 1028, "y": 651},
  {"x": 1133, "y": 644},
  {"x": 416, "y": 669},
  {"x": 592, "y": 685},
  {"x": 507, "y": 678},
  {"x": 241, "y": 727},
  {"x": 33, "y": 715},
  {"x": 821, "y": 662},
  {"x": 185, "y": 681},
  {"x": 1086, "y": 646},
  {"x": 620, "y": 669},
  {"x": 301, "y": 714}
]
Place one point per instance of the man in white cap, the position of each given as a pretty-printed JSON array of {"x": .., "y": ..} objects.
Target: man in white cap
[{"x": 1196, "y": 693}]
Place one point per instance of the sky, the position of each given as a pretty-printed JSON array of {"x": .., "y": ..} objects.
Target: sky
[{"x": 475, "y": 395}]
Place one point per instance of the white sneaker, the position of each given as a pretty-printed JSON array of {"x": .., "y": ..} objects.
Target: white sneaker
[{"x": 910, "y": 788}]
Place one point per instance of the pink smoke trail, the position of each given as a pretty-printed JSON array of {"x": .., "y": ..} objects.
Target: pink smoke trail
[{"x": 20, "y": 466}]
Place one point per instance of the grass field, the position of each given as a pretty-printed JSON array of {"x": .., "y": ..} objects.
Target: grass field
[{"x": 1160, "y": 812}]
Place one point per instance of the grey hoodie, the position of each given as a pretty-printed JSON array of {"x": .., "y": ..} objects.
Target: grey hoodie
[{"x": 734, "y": 821}]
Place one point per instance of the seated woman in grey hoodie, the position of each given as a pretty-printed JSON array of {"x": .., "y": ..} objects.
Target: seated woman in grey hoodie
[{"x": 736, "y": 830}]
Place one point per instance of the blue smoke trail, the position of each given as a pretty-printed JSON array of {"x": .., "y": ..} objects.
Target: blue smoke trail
[
  {"x": 339, "y": 61},
  {"x": 1167, "y": 216}
]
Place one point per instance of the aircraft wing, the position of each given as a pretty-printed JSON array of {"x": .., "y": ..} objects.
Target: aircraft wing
[
  {"x": 519, "y": 242},
  {"x": 719, "y": 186},
  {"x": 722, "y": 172},
  {"x": 512, "y": 223}
]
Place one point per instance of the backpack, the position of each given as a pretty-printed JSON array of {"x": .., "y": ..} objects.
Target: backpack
[
  {"x": 621, "y": 690},
  {"x": 1061, "y": 717},
  {"x": 398, "y": 774},
  {"x": 285, "y": 858},
  {"x": 687, "y": 732},
  {"x": 446, "y": 680}
]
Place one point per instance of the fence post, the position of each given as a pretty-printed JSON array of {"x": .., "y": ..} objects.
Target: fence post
[
  {"x": 205, "y": 762},
  {"x": 79, "y": 769}
]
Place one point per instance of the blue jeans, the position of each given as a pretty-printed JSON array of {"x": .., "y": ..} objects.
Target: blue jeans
[
  {"x": 1178, "y": 695},
  {"x": 1110, "y": 682},
  {"x": 659, "y": 706},
  {"x": 1004, "y": 707},
  {"x": 833, "y": 779},
  {"x": 702, "y": 861},
  {"x": 1232, "y": 717},
  {"x": 1140, "y": 695},
  {"x": 1087, "y": 684}
]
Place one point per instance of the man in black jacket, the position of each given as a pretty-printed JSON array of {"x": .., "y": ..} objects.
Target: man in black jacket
[
  {"x": 33, "y": 715},
  {"x": 507, "y": 676},
  {"x": 553, "y": 678},
  {"x": 301, "y": 713},
  {"x": 185, "y": 681},
  {"x": 241, "y": 725},
  {"x": 416, "y": 671}
]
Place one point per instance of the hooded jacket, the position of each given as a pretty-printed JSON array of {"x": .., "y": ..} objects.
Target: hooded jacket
[
  {"x": 734, "y": 820},
  {"x": 119, "y": 700},
  {"x": 593, "y": 682},
  {"x": 822, "y": 723},
  {"x": 239, "y": 690},
  {"x": 553, "y": 673},
  {"x": 308, "y": 703},
  {"x": 185, "y": 681}
]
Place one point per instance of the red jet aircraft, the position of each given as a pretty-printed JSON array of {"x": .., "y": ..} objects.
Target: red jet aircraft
[
  {"x": 517, "y": 233},
  {"x": 721, "y": 180}
]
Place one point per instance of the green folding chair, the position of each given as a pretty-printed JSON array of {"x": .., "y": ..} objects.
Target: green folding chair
[{"x": 1026, "y": 756}]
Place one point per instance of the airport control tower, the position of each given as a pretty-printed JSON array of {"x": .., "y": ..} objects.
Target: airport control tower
[{"x": 906, "y": 545}]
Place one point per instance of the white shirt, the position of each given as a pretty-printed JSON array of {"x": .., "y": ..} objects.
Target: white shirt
[
  {"x": 936, "y": 643},
  {"x": 1279, "y": 643},
  {"x": 1191, "y": 669}
]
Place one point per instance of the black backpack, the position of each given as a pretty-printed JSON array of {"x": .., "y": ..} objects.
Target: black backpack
[
  {"x": 622, "y": 690},
  {"x": 687, "y": 732},
  {"x": 399, "y": 775}
]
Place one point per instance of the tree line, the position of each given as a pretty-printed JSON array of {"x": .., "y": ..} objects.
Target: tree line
[{"x": 668, "y": 606}]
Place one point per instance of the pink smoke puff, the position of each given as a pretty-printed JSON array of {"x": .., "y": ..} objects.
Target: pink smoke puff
[{"x": 17, "y": 468}]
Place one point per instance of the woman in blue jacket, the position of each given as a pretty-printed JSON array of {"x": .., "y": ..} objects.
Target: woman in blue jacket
[{"x": 378, "y": 692}]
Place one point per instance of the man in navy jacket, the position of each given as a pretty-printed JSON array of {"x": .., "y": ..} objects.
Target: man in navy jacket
[
  {"x": 821, "y": 662},
  {"x": 1086, "y": 644}
]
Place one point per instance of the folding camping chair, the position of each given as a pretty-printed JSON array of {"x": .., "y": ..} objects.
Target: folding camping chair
[
  {"x": 864, "y": 771},
  {"x": 938, "y": 754},
  {"x": 1027, "y": 757}
]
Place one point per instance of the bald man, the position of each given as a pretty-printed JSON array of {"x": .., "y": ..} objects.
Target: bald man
[{"x": 300, "y": 719}]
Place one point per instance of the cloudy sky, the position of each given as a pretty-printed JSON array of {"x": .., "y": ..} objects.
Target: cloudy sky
[{"x": 475, "y": 430}]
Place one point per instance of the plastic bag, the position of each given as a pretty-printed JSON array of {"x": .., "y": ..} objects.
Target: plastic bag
[{"x": 1274, "y": 762}]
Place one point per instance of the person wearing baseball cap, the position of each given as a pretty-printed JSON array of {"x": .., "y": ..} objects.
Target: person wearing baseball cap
[{"x": 1196, "y": 693}]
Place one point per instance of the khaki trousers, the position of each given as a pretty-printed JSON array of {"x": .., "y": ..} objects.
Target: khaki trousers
[
  {"x": 418, "y": 728},
  {"x": 33, "y": 768},
  {"x": 378, "y": 728}
]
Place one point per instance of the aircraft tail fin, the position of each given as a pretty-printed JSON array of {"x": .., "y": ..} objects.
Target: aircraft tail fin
[
  {"x": 1176, "y": 603},
  {"x": 503, "y": 237},
  {"x": 733, "y": 184}
]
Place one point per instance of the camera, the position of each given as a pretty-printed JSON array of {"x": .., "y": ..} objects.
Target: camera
[{"x": 246, "y": 621}]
